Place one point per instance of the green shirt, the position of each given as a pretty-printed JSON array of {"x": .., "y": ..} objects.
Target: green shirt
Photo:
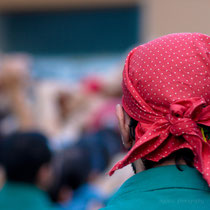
[
  {"x": 20, "y": 196},
  {"x": 163, "y": 188}
]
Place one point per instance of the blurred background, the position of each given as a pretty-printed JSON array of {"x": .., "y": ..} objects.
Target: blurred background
[{"x": 60, "y": 75}]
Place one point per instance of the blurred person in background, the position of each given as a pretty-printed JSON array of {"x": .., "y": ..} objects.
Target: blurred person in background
[
  {"x": 72, "y": 188},
  {"x": 105, "y": 148},
  {"x": 79, "y": 171},
  {"x": 85, "y": 109},
  {"x": 26, "y": 159},
  {"x": 165, "y": 124},
  {"x": 15, "y": 108}
]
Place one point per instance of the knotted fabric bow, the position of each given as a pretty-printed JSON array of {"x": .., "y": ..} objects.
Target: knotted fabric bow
[{"x": 166, "y": 89}]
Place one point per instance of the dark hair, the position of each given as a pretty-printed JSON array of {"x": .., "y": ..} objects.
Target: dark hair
[
  {"x": 22, "y": 154},
  {"x": 71, "y": 168},
  {"x": 185, "y": 154}
]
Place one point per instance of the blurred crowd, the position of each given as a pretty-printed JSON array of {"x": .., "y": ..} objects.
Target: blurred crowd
[{"x": 57, "y": 141}]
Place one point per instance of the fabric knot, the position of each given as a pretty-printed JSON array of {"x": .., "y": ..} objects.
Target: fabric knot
[
  {"x": 183, "y": 116},
  {"x": 180, "y": 126}
]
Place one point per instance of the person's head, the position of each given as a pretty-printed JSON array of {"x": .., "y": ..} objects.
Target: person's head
[
  {"x": 71, "y": 168},
  {"x": 165, "y": 112},
  {"x": 26, "y": 157}
]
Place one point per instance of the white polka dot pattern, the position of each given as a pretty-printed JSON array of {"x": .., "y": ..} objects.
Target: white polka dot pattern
[{"x": 166, "y": 89}]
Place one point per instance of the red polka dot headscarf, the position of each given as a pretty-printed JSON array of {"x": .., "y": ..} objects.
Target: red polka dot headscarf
[{"x": 166, "y": 89}]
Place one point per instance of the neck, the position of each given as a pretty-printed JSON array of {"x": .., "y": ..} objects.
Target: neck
[{"x": 139, "y": 166}]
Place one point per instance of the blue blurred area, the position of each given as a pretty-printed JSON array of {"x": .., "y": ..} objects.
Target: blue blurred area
[
  {"x": 107, "y": 30},
  {"x": 72, "y": 69}
]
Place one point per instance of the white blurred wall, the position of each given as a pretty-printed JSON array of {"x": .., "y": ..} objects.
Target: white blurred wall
[{"x": 170, "y": 16}]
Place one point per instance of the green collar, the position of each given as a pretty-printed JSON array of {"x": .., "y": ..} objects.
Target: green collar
[{"x": 164, "y": 177}]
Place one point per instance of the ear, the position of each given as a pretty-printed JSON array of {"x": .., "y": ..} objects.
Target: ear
[{"x": 124, "y": 121}]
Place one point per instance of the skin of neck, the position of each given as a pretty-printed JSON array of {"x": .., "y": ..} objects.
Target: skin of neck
[{"x": 140, "y": 166}]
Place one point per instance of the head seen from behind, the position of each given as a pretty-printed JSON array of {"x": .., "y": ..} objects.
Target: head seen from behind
[
  {"x": 26, "y": 158},
  {"x": 165, "y": 113}
]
